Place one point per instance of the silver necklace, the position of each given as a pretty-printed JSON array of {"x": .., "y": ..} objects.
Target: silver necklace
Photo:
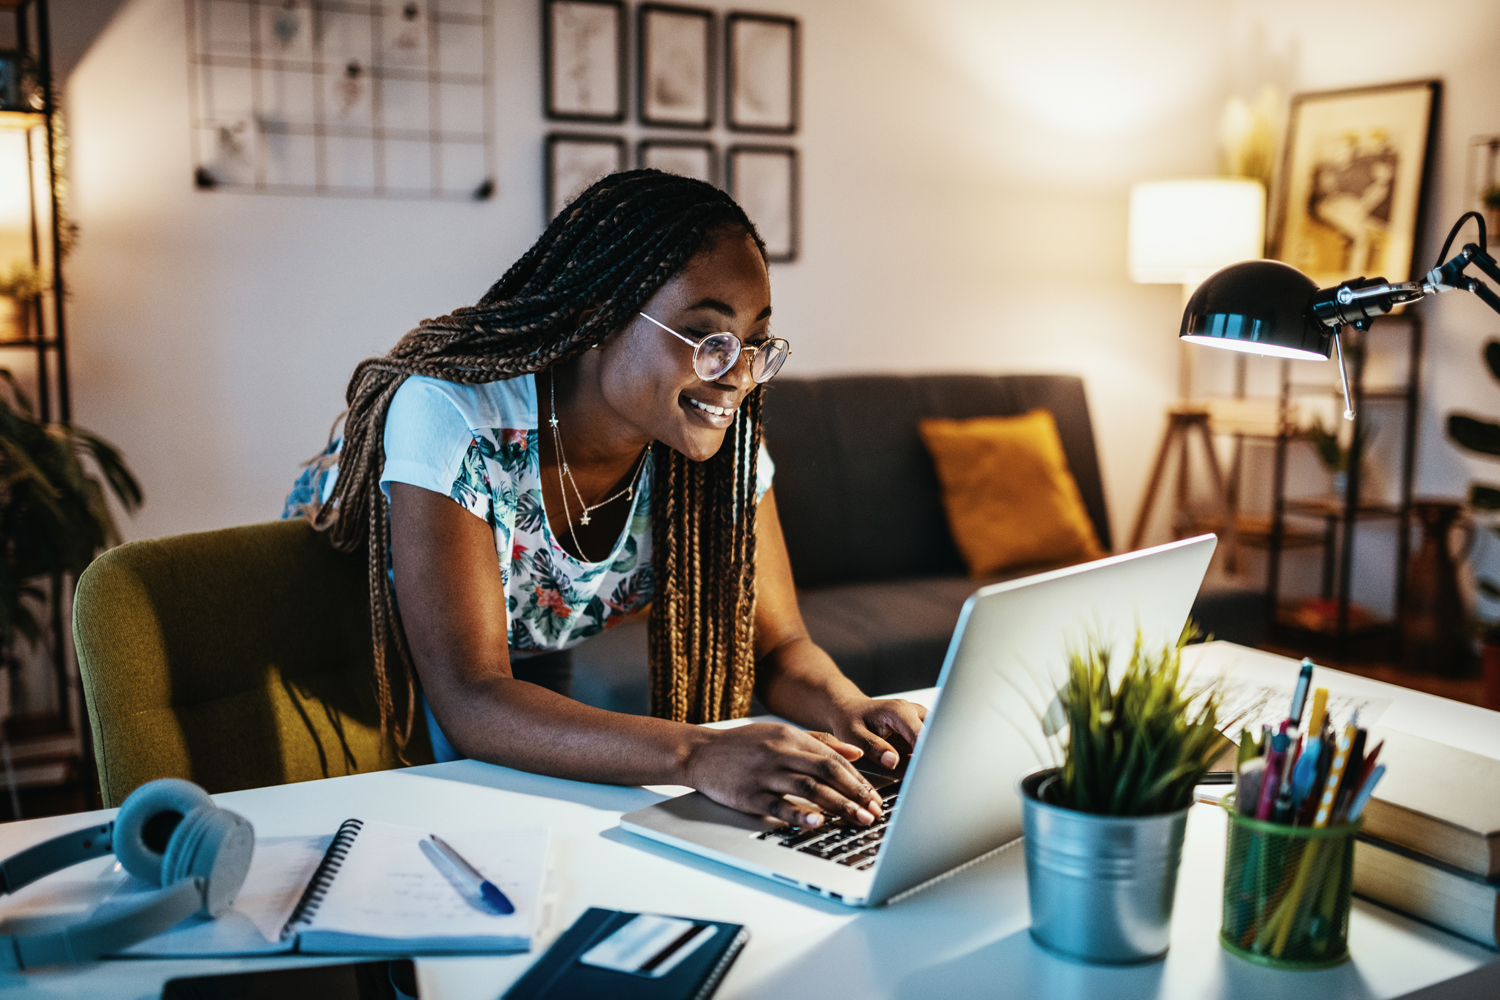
[{"x": 564, "y": 471}]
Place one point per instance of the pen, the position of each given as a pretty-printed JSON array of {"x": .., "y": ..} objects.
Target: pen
[
  {"x": 1335, "y": 776},
  {"x": 1299, "y": 697},
  {"x": 1358, "y": 806},
  {"x": 486, "y": 889},
  {"x": 1271, "y": 784}
]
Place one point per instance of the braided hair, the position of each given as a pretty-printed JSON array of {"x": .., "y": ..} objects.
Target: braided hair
[{"x": 587, "y": 276}]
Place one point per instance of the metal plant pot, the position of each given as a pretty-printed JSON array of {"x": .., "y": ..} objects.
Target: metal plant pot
[{"x": 1101, "y": 887}]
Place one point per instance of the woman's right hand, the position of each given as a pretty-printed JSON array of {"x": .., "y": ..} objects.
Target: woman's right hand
[{"x": 754, "y": 768}]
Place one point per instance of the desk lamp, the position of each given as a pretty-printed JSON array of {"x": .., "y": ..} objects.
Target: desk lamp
[{"x": 1266, "y": 307}]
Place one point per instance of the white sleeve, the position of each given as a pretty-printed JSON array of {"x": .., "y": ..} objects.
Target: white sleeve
[
  {"x": 764, "y": 470},
  {"x": 426, "y": 438}
]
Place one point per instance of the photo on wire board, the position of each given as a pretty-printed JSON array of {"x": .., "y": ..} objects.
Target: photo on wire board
[
  {"x": 576, "y": 161},
  {"x": 583, "y": 60},
  {"x": 676, "y": 66},
  {"x": 762, "y": 61},
  {"x": 685, "y": 158},
  {"x": 763, "y": 179},
  {"x": 1352, "y": 181}
]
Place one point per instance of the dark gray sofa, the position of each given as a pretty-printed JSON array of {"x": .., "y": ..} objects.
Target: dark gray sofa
[{"x": 879, "y": 579}]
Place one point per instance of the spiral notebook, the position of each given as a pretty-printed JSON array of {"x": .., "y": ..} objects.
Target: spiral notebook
[{"x": 370, "y": 888}]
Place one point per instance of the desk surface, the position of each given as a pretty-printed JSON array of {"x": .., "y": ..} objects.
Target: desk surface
[{"x": 965, "y": 936}]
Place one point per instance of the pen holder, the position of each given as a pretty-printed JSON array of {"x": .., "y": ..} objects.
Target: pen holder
[{"x": 1286, "y": 892}]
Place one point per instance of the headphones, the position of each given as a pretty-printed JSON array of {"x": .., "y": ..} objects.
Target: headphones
[{"x": 168, "y": 833}]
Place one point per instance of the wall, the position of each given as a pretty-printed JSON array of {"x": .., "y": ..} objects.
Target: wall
[
  {"x": 965, "y": 173},
  {"x": 957, "y": 215}
]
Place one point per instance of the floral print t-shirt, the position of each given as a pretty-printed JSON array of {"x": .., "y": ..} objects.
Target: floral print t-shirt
[{"x": 479, "y": 445}]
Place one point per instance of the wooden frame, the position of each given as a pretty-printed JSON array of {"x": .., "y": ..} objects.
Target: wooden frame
[
  {"x": 675, "y": 74},
  {"x": 672, "y": 155},
  {"x": 758, "y": 49},
  {"x": 769, "y": 194},
  {"x": 575, "y": 161},
  {"x": 570, "y": 74},
  {"x": 1351, "y": 196}
]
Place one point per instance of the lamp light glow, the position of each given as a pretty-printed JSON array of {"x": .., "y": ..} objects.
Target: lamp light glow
[{"x": 1182, "y": 231}]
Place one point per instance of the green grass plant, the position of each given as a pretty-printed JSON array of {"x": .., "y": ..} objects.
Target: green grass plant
[{"x": 1135, "y": 748}]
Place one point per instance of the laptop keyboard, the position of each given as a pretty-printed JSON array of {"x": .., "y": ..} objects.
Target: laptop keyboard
[{"x": 838, "y": 839}]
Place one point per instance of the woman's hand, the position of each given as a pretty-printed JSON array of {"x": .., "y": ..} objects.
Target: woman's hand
[
  {"x": 872, "y": 724},
  {"x": 754, "y": 768}
]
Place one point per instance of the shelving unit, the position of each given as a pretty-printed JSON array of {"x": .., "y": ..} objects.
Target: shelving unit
[
  {"x": 47, "y": 751},
  {"x": 1341, "y": 517}
]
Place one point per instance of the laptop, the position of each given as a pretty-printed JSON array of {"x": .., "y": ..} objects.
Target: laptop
[{"x": 955, "y": 799}]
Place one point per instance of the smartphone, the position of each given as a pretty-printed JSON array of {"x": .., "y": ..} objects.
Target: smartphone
[{"x": 384, "y": 980}]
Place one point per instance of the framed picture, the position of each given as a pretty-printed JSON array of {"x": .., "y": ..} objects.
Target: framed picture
[
  {"x": 676, "y": 66},
  {"x": 1483, "y": 185},
  {"x": 762, "y": 61},
  {"x": 583, "y": 60},
  {"x": 1350, "y": 197},
  {"x": 687, "y": 158},
  {"x": 763, "y": 179},
  {"x": 576, "y": 161}
]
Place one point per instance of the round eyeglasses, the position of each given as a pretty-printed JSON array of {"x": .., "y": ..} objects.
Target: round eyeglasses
[{"x": 717, "y": 353}]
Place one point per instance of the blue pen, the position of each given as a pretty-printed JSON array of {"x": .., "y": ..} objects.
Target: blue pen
[
  {"x": 487, "y": 890},
  {"x": 1358, "y": 805},
  {"x": 1299, "y": 696},
  {"x": 1305, "y": 774}
]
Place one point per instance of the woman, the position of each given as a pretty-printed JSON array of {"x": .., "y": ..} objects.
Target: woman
[{"x": 541, "y": 465}]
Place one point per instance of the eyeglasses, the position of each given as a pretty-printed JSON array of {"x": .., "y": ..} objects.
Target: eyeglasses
[{"x": 717, "y": 353}]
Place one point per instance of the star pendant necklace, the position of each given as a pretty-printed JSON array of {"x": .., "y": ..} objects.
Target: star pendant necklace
[{"x": 564, "y": 471}]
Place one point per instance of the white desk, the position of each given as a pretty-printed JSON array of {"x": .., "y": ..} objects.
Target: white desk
[{"x": 964, "y": 937}]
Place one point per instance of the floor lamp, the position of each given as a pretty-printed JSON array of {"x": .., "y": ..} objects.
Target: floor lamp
[{"x": 1181, "y": 232}]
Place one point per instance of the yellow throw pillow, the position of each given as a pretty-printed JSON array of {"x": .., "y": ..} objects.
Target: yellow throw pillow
[{"x": 1010, "y": 496}]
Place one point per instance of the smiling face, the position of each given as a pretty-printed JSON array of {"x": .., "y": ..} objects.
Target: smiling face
[{"x": 646, "y": 375}]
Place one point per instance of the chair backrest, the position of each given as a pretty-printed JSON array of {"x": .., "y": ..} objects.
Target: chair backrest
[
  {"x": 236, "y": 659},
  {"x": 856, "y": 489}
]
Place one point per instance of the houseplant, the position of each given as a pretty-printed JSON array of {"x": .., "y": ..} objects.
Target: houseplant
[
  {"x": 53, "y": 514},
  {"x": 1104, "y": 831},
  {"x": 1334, "y": 455},
  {"x": 19, "y": 287}
]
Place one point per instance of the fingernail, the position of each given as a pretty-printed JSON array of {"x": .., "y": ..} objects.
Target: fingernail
[
  {"x": 874, "y": 805},
  {"x": 889, "y": 758},
  {"x": 863, "y": 815},
  {"x": 812, "y": 819}
]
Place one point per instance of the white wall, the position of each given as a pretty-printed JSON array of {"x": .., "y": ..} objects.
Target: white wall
[{"x": 965, "y": 173}]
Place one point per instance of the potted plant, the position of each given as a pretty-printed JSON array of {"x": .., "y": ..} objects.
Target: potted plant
[
  {"x": 1104, "y": 831},
  {"x": 1333, "y": 454},
  {"x": 19, "y": 287},
  {"x": 53, "y": 515}
]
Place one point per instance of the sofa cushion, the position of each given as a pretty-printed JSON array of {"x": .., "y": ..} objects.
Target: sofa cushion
[
  {"x": 1010, "y": 498},
  {"x": 857, "y": 492}
]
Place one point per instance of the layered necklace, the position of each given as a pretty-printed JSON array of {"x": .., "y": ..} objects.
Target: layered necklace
[{"x": 565, "y": 475}]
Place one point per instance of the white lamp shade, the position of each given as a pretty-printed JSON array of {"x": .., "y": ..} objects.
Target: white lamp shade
[{"x": 1183, "y": 231}]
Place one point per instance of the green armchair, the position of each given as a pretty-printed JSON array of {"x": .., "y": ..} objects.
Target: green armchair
[{"x": 236, "y": 659}]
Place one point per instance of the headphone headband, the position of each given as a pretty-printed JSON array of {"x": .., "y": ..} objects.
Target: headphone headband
[{"x": 168, "y": 833}]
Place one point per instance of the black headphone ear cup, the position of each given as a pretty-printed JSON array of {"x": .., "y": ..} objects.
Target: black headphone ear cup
[
  {"x": 144, "y": 828},
  {"x": 215, "y": 845}
]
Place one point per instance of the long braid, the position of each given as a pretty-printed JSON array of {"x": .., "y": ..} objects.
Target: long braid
[{"x": 587, "y": 276}]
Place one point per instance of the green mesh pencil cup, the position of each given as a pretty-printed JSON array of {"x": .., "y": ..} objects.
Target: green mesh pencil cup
[{"x": 1286, "y": 891}]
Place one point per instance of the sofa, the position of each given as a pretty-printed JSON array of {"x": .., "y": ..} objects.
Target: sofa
[{"x": 879, "y": 579}]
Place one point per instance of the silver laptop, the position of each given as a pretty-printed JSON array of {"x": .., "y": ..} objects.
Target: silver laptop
[{"x": 956, "y": 799}]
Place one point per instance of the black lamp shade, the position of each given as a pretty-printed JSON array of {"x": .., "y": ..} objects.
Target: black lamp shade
[{"x": 1260, "y": 307}]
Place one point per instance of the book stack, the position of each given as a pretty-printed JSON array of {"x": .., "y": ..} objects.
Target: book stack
[{"x": 1431, "y": 841}]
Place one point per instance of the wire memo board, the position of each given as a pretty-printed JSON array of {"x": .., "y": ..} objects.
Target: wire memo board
[{"x": 385, "y": 98}]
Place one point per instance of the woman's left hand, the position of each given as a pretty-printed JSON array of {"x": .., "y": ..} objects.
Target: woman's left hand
[{"x": 882, "y": 727}]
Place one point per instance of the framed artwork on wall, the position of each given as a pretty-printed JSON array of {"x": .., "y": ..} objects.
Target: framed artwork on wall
[
  {"x": 574, "y": 162},
  {"x": 685, "y": 157},
  {"x": 583, "y": 60},
  {"x": 763, "y": 65},
  {"x": 1350, "y": 197},
  {"x": 676, "y": 66},
  {"x": 763, "y": 179}
]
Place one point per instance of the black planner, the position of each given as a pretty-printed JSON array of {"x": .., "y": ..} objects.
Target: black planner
[{"x": 668, "y": 958}]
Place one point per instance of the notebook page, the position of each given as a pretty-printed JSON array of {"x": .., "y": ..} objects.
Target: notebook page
[
  {"x": 387, "y": 889},
  {"x": 279, "y": 871}
]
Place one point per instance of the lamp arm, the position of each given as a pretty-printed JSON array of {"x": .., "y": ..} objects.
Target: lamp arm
[{"x": 1448, "y": 276}]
